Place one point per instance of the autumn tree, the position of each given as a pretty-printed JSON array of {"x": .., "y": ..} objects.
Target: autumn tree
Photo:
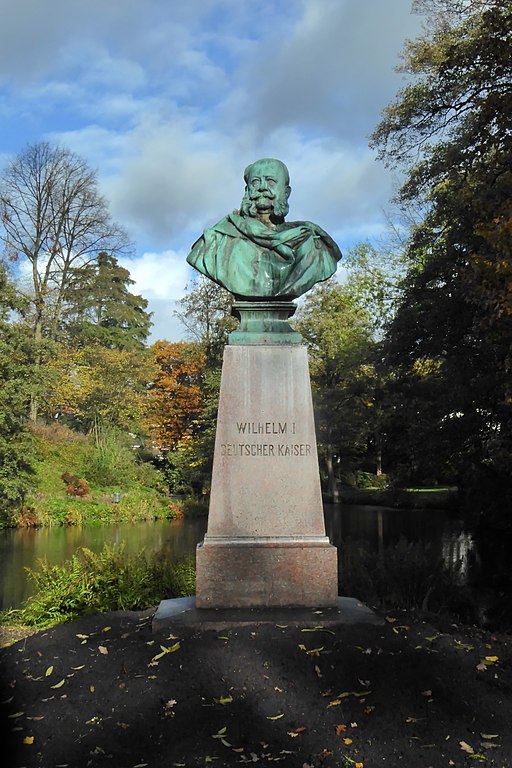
[
  {"x": 53, "y": 218},
  {"x": 174, "y": 397},
  {"x": 94, "y": 385}
]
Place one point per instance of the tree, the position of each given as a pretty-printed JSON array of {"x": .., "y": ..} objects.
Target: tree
[
  {"x": 99, "y": 308},
  {"x": 338, "y": 332},
  {"x": 93, "y": 385},
  {"x": 54, "y": 218},
  {"x": 205, "y": 311},
  {"x": 174, "y": 398},
  {"x": 16, "y": 452},
  {"x": 453, "y": 329}
]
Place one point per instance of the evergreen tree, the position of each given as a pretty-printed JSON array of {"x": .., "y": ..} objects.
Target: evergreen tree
[{"x": 99, "y": 307}]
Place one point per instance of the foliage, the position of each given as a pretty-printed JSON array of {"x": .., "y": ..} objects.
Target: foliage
[
  {"x": 205, "y": 311},
  {"x": 99, "y": 309},
  {"x": 339, "y": 335},
  {"x": 92, "y": 583},
  {"x": 53, "y": 217},
  {"x": 93, "y": 384},
  {"x": 113, "y": 462},
  {"x": 183, "y": 578},
  {"x": 174, "y": 397},
  {"x": 188, "y": 466},
  {"x": 404, "y": 575},
  {"x": 449, "y": 345},
  {"x": 16, "y": 449}
]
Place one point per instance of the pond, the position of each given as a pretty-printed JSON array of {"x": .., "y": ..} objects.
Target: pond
[{"x": 378, "y": 527}]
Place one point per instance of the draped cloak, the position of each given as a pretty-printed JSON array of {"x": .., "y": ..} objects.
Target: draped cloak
[{"x": 253, "y": 261}]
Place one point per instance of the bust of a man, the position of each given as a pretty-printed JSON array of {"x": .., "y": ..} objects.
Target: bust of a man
[{"x": 254, "y": 253}]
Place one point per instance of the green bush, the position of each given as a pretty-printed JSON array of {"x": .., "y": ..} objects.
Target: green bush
[
  {"x": 92, "y": 583},
  {"x": 405, "y": 575}
]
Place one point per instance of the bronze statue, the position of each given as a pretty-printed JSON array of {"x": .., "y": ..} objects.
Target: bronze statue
[{"x": 254, "y": 253}]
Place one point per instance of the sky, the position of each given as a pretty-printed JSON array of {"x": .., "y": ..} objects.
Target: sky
[{"x": 170, "y": 100}]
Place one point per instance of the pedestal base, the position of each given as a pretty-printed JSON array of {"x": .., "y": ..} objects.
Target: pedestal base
[{"x": 254, "y": 573}]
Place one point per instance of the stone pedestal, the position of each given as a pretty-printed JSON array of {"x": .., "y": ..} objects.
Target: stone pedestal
[{"x": 266, "y": 542}]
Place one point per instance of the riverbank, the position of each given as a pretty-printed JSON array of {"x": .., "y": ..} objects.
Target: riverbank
[
  {"x": 402, "y": 498},
  {"x": 104, "y": 690}
]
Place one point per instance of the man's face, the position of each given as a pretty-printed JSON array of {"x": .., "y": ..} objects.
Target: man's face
[{"x": 267, "y": 189}]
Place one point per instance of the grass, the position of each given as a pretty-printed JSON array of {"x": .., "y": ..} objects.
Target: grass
[{"x": 106, "y": 465}]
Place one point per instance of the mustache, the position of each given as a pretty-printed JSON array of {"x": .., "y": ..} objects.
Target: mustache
[{"x": 255, "y": 194}]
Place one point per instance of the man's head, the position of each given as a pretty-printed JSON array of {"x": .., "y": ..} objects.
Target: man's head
[{"x": 267, "y": 189}]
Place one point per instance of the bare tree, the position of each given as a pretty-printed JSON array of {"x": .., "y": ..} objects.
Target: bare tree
[{"x": 53, "y": 216}]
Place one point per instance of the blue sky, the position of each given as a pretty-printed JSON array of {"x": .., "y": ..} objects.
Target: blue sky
[{"x": 170, "y": 100}]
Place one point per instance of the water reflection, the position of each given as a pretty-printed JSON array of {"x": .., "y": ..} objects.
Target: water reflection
[
  {"x": 379, "y": 527},
  {"x": 21, "y": 549},
  {"x": 376, "y": 527}
]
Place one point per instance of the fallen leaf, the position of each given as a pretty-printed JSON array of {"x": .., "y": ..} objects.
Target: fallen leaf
[
  {"x": 488, "y": 745},
  {"x": 347, "y": 741},
  {"x": 340, "y": 729},
  {"x": 106, "y": 629},
  {"x": 317, "y": 671},
  {"x": 466, "y": 747},
  {"x": 92, "y": 688},
  {"x": 359, "y": 765},
  {"x": 102, "y": 649},
  {"x": 224, "y": 700},
  {"x": 481, "y": 667},
  {"x": 491, "y": 659},
  {"x": 318, "y": 629},
  {"x": 426, "y": 693},
  {"x": 390, "y": 619},
  {"x": 59, "y": 684},
  {"x": 16, "y": 715},
  {"x": 77, "y": 668},
  {"x": 48, "y": 671},
  {"x": 28, "y": 740},
  {"x": 315, "y": 651},
  {"x": 37, "y": 717},
  {"x": 276, "y": 717},
  {"x": 489, "y": 736}
]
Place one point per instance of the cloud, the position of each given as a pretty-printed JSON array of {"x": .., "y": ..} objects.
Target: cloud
[
  {"x": 161, "y": 278},
  {"x": 170, "y": 102}
]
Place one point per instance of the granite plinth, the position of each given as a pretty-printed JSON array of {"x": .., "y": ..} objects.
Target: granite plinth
[
  {"x": 266, "y": 543},
  {"x": 235, "y": 574}
]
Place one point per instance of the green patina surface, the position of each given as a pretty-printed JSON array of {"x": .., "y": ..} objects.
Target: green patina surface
[{"x": 259, "y": 257}]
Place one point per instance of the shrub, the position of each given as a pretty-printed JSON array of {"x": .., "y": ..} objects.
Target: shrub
[
  {"x": 92, "y": 583},
  {"x": 405, "y": 575}
]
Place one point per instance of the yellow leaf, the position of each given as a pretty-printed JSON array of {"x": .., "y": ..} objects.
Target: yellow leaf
[
  {"x": 91, "y": 688},
  {"x": 28, "y": 740},
  {"x": 347, "y": 741},
  {"x": 48, "y": 671},
  {"x": 106, "y": 629},
  {"x": 59, "y": 684},
  {"x": 82, "y": 637},
  {"x": 77, "y": 668},
  {"x": 491, "y": 659},
  {"x": 276, "y": 717},
  {"x": 16, "y": 715},
  {"x": 224, "y": 700}
]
